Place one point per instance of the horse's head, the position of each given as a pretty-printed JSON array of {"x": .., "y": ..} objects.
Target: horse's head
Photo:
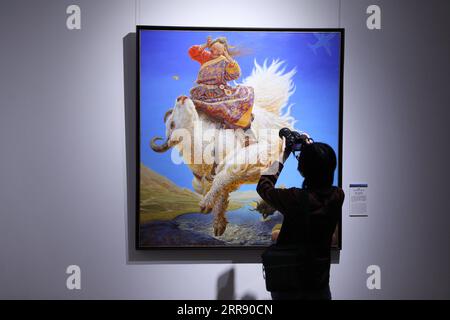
[{"x": 178, "y": 122}]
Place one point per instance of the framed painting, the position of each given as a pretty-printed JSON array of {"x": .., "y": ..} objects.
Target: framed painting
[{"x": 211, "y": 102}]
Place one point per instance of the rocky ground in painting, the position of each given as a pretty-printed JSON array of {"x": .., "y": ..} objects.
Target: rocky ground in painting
[
  {"x": 164, "y": 221},
  {"x": 245, "y": 228},
  {"x": 168, "y": 233}
]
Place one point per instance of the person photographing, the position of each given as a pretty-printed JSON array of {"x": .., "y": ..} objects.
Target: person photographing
[{"x": 298, "y": 265}]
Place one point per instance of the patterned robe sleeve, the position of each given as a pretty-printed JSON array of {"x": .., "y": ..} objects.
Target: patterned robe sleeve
[{"x": 232, "y": 71}]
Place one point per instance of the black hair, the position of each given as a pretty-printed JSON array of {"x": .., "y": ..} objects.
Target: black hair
[{"x": 316, "y": 163}]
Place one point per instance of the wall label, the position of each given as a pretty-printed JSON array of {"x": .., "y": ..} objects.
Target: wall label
[{"x": 358, "y": 200}]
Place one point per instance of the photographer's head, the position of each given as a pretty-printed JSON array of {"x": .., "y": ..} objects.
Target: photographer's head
[{"x": 316, "y": 163}]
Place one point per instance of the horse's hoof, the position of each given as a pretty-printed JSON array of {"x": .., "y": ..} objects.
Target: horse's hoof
[
  {"x": 205, "y": 206},
  {"x": 220, "y": 227},
  {"x": 204, "y": 209}
]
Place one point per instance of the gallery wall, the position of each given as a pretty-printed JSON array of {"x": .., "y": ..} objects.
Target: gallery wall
[{"x": 66, "y": 169}]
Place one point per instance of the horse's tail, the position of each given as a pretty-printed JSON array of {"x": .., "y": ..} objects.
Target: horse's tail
[{"x": 273, "y": 87}]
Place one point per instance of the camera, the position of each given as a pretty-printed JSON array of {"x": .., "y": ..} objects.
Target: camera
[{"x": 294, "y": 139}]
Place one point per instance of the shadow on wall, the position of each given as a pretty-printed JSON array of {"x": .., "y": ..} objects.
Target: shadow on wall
[{"x": 226, "y": 287}]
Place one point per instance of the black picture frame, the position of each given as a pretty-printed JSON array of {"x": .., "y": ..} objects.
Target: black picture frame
[{"x": 139, "y": 28}]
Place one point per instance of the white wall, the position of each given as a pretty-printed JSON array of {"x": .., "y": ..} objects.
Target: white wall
[{"x": 63, "y": 138}]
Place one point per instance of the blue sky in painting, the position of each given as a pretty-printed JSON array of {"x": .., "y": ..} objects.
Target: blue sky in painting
[{"x": 316, "y": 99}]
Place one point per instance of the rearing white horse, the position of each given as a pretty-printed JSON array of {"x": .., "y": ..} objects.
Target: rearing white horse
[{"x": 205, "y": 145}]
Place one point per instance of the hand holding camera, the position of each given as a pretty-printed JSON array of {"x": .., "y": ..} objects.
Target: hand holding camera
[{"x": 293, "y": 141}]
